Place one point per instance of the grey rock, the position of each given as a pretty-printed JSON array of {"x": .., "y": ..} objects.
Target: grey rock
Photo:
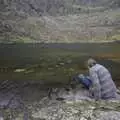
[
  {"x": 81, "y": 110},
  {"x": 76, "y": 106}
]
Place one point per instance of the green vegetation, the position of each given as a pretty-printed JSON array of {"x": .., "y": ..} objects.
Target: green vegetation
[{"x": 20, "y": 39}]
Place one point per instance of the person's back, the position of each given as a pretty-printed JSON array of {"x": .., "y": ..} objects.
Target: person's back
[{"x": 106, "y": 84}]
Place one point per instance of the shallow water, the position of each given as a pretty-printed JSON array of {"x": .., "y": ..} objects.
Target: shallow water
[{"x": 55, "y": 63}]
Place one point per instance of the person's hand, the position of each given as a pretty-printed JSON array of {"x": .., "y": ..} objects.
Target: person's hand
[
  {"x": 91, "y": 89},
  {"x": 91, "y": 92}
]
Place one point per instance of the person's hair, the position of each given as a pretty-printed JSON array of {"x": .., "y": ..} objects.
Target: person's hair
[{"x": 91, "y": 62}]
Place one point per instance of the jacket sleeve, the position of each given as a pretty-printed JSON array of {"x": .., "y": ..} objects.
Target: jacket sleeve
[{"x": 96, "y": 88}]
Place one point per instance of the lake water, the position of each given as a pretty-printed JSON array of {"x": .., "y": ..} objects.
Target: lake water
[{"x": 15, "y": 56}]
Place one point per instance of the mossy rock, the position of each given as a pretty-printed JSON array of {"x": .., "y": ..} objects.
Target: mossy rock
[{"x": 116, "y": 37}]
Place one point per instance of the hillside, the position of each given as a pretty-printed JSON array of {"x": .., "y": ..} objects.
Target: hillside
[{"x": 59, "y": 20}]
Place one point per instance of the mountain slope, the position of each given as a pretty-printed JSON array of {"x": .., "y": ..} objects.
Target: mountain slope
[{"x": 59, "y": 20}]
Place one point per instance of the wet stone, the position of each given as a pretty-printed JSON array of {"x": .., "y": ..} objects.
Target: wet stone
[
  {"x": 19, "y": 70},
  {"x": 62, "y": 64},
  {"x": 69, "y": 62},
  {"x": 56, "y": 66}
]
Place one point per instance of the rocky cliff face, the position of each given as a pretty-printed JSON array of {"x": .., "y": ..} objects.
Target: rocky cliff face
[{"x": 58, "y": 20}]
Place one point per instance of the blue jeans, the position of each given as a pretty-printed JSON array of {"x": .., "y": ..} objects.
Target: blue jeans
[{"x": 84, "y": 80}]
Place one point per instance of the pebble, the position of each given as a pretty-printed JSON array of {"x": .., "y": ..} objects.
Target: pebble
[{"x": 19, "y": 70}]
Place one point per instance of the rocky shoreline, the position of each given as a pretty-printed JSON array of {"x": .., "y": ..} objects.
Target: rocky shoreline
[
  {"x": 71, "y": 108},
  {"x": 59, "y": 42}
]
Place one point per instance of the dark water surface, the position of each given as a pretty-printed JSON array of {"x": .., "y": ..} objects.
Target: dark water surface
[
  {"x": 33, "y": 56},
  {"x": 31, "y": 53}
]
